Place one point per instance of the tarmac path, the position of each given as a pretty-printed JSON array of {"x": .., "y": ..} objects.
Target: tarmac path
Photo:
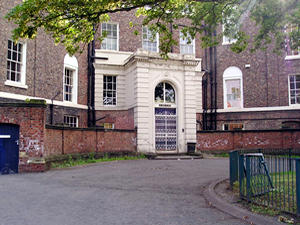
[{"x": 141, "y": 192}]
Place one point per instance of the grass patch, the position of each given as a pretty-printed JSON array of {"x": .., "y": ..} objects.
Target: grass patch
[
  {"x": 78, "y": 160},
  {"x": 281, "y": 198},
  {"x": 225, "y": 155},
  {"x": 263, "y": 210}
]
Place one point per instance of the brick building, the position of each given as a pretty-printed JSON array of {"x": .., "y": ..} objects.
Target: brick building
[{"x": 126, "y": 85}]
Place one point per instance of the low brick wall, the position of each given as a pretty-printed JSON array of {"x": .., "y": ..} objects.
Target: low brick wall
[
  {"x": 218, "y": 141},
  {"x": 61, "y": 140},
  {"x": 31, "y": 120}
]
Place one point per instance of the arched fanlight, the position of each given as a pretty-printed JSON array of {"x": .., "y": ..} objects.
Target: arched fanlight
[{"x": 164, "y": 93}]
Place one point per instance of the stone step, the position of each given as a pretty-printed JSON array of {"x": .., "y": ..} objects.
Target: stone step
[{"x": 176, "y": 157}]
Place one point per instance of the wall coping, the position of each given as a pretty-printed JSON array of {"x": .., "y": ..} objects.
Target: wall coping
[
  {"x": 24, "y": 105},
  {"x": 52, "y": 127},
  {"x": 245, "y": 131}
]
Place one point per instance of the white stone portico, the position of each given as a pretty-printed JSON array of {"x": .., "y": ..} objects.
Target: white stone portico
[{"x": 138, "y": 74}]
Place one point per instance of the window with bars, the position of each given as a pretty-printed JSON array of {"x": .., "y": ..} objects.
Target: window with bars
[
  {"x": 110, "y": 31},
  {"x": 291, "y": 51},
  {"x": 15, "y": 61},
  {"x": 70, "y": 121},
  {"x": 109, "y": 90},
  {"x": 187, "y": 44},
  {"x": 68, "y": 85},
  {"x": 150, "y": 40},
  {"x": 294, "y": 89}
]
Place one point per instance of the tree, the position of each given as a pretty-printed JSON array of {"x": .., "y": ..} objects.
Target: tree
[{"x": 73, "y": 22}]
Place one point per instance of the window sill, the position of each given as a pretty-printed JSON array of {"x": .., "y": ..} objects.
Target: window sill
[
  {"x": 291, "y": 57},
  {"x": 15, "y": 84}
]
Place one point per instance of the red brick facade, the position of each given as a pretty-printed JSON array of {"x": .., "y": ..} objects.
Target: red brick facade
[
  {"x": 122, "y": 119},
  {"x": 44, "y": 69}
]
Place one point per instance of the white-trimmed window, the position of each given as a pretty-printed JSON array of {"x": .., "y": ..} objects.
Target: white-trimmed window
[
  {"x": 111, "y": 40},
  {"x": 294, "y": 83},
  {"x": 187, "y": 44},
  {"x": 233, "y": 88},
  {"x": 150, "y": 40},
  {"x": 107, "y": 125},
  {"x": 16, "y": 64},
  {"x": 109, "y": 90},
  {"x": 290, "y": 52},
  {"x": 227, "y": 40},
  {"x": 70, "y": 121},
  {"x": 70, "y": 79}
]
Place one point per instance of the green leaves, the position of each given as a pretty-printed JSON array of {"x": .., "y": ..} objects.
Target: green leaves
[{"x": 72, "y": 22}]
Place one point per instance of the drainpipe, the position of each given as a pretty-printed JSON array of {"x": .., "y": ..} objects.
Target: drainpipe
[{"x": 52, "y": 107}]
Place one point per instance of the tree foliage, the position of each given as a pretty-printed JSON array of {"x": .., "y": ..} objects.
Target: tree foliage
[{"x": 73, "y": 22}]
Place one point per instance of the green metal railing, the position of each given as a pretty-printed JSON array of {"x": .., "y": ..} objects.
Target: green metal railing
[{"x": 269, "y": 180}]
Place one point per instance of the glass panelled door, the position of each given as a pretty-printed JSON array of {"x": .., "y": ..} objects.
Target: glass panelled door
[{"x": 165, "y": 129}]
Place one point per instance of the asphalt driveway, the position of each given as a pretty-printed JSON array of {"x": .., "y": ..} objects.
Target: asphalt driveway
[{"x": 126, "y": 192}]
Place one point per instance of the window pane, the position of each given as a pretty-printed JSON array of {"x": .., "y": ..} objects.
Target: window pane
[
  {"x": 170, "y": 93},
  {"x": 233, "y": 88},
  {"x": 159, "y": 93}
]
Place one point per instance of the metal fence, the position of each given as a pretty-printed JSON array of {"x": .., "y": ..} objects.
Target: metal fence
[{"x": 268, "y": 179}]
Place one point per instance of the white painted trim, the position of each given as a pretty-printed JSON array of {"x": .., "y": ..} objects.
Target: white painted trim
[
  {"x": 157, "y": 40},
  {"x": 193, "y": 43},
  {"x": 4, "y": 136},
  {"x": 118, "y": 37},
  {"x": 258, "y": 109},
  {"x": 22, "y": 83},
  {"x": 15, "y": 84},
  {"x": 48, "y": 101},
  {"x": 71, "y": 63},
  {"x": 232, "y": 73},
  {"x": 291, "y": 57}
]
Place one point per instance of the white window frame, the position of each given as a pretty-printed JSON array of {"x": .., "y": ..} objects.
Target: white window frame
[
  {"x": 71, "y": 63},
  {"x": 232, "y": 73},
  {"x": 71, "y": 117},
  {"x": 106, "y": 37},
  {"x": 22, "y": 82},
  {"x": 157, "y": 40},
  {"x": 182, "y": 39},
  {"x": 287, "y": 47},
  {"x": 227, "y": 40},
  {"x": 289, "y": 84},
  {"x": 116, "y": 91}
]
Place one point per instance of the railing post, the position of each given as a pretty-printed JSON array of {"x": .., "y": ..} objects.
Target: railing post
[
  {"x": 248, "y": 186},
  {"x": 233, "y": 167},
  {"x": 298, "y": 185},
  {"x": 290, "y": 159},
  {"x": 241, "y": 174}
]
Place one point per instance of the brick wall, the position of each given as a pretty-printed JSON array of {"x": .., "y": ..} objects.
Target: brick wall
[
  {"x": 31, "y": 119},
  {"x": 74, "y": 140},
  {"x": 122, "y": 119},
  {"x": 224, "y": 141}
]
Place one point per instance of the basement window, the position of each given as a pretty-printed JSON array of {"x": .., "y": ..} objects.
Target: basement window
[
  {"x": 107, "y": 125},
  {"x": 70, "y": 121},
  {"x": 233, "y": 126}
]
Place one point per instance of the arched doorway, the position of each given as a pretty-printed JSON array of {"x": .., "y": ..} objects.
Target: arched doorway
[{"x": 165, "y": 117}]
